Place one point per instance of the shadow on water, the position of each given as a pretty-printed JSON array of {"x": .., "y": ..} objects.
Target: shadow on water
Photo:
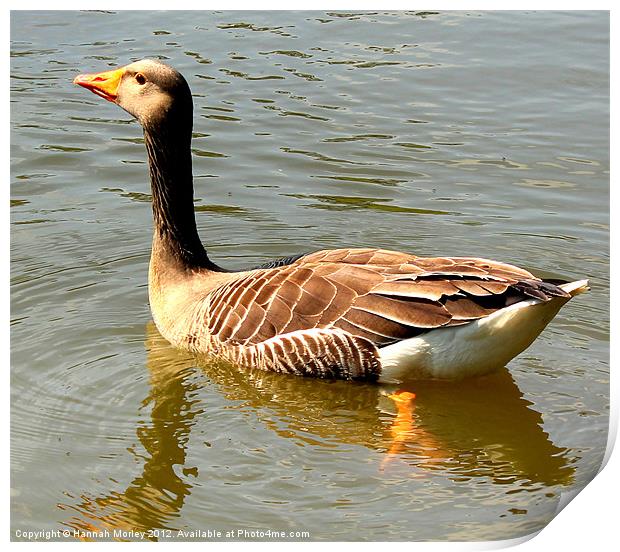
[{"x": 480, "y": 428}]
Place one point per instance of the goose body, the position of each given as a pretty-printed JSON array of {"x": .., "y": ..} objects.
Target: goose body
[{"x": 366, "y": 314}]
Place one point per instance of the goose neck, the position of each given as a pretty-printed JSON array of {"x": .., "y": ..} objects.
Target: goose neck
[{"x": 168, "y": 147}]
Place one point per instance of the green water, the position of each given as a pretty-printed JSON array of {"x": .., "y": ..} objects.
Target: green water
[{"x": 466, "y": 133}]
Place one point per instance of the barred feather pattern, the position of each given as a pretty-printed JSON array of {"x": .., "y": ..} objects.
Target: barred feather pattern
[{"x": 326, "y": 314}]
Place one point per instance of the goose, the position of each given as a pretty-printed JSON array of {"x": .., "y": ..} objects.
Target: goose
[{"x": 354, "y": 314}]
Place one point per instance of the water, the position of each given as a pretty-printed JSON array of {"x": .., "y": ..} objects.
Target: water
[{"x": 463, "y": 133}]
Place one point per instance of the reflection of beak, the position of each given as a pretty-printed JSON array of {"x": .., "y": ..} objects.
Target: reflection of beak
[{"x": 103, "y": 84}]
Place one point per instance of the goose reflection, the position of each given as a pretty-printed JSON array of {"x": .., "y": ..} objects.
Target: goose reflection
[
  {"x": 460, "y": 430},
  {"x": 154, "y": 498}
]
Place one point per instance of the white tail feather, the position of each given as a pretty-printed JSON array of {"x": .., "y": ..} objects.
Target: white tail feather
[
  {"x": 475, "y": 348},
  {"x": 575, "y": 288}
]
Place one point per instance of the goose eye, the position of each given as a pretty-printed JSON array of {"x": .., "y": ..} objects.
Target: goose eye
[{"x": 140, "y": 78}]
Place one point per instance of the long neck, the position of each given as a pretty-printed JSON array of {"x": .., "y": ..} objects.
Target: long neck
[{"x": 170, "y": 166}]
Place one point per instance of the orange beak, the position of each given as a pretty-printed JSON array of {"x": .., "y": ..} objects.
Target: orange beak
[{"x": 102, "y": 84}]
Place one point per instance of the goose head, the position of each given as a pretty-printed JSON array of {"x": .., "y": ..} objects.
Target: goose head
[{"x": 147, "y": 89}]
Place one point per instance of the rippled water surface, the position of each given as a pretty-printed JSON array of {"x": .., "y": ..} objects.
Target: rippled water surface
[{"x": 464, "y": 133}]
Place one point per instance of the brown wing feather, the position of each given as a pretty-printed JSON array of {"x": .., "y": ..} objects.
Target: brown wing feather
[{"x": 382, "y": 296}]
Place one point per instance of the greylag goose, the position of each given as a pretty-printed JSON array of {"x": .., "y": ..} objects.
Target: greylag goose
[{"x": 367, "y": 314}]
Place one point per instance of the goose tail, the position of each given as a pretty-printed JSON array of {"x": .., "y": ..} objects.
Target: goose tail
[{"x": 575, "y": 288}]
